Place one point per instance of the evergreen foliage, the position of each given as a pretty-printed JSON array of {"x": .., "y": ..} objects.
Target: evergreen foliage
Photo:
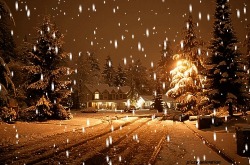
[
  {"x": 164, "y": 67},
  {"x": 108, "y": 73},
  {"x": 7, "y": 45},
  {"x": 137, "y": 77},
  {"x": 186, "y": 79},
  {"x": 120, "y": 77},
  {"x": 47, "y": 70},
  {"x": 7, "y": 87},
  {"x": 158, "y": 104},
  {"x": 224, "y": 68}
]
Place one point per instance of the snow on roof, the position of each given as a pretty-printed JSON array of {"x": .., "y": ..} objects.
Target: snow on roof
[{"x": 105, "y": 87}]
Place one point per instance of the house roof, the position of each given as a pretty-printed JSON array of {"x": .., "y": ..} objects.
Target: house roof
[{"x": 105, "y": 87}]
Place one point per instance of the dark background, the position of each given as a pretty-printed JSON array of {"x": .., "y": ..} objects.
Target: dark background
[{"x": 103, "y": 22}]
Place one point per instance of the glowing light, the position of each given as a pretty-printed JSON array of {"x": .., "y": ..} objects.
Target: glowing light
[
  {"x": 215, "y": 136},
  {"x": 88, "y": 122},
  {"x": 238, "y": 13},
  {"x": 139, "y": 46},
  {"x": 52, "y": 86},
  {"x": 199, "y": 15},
  {"x": 56, "y": 50},
  {"x": 152, "y": 64},
  {"x": 116, "y": 44},
  {"x": 190, "y": 8},
  {"x": 28, "y": 13},
  {"x": 70, "y": 56},
  {"x": 125, "y": 61},
  {"x": 16, "y": 5},
  {"x": 168, "y": 138},
  {"x": 93, "y": 8},
  {"x": 80, "y": 8},
  {"x": 182, "y": 44},
  {"x": 41, "y": 77},
  {"x": 208, "y": 17},
  {"x": 67, "y": 153},
  {"x": 147, "y": 32}
]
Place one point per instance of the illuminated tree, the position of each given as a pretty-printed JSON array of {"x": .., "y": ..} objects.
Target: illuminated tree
[
  {"x": 185, "y": 84},
  {"x": 47, "y": 71},
  {"x": 186, "y": 79},
  {"x": 224, "y": 83}
]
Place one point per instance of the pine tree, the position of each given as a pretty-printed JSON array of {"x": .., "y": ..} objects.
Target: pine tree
[
  {"x": 137, "y": 76},
  {"x": 191, "y": 46},
  {"x": 186, "y": 79},
  {"x": 47, "y": 71},
  {"x": 92, "y": 68},
  {"x": 7, "y": 88},
  {"x": 108, "y": 73},
  {"x": 247, "y": 59},
  {"x": 224, "y": 70},
  {"x": 164, "y": 66},
  {"x": 7, "y": 45},
  {"x": 120, "y": 77}
]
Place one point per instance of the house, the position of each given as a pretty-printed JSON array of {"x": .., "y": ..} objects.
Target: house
[
  {"x": 146, "y": 101},
  {"x": 169, "y": 102},
  {"x": 102, "y": 96}
]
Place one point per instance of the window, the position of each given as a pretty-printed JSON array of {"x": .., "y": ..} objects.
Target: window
[{"x": 96, "y": 95}]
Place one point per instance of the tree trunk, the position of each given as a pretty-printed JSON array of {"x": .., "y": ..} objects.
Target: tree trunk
[{"x": 230, "y": 109}]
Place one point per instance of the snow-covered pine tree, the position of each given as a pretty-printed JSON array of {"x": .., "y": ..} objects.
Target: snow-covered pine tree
[
  {"x": 186, "y": 80},
  {"x": 108, "y": 73},
  {"x": 224, "y": 83},
  {"x": 7, "y": 45},
  {"x": 47, "y": 71},
  {"x": 120, "y": 77},
  {"x": 7, "y": 88},
  {"x": 165, "y": 65}
]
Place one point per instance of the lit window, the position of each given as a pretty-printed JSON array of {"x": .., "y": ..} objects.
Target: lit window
[{"x": 96, "y": 95}]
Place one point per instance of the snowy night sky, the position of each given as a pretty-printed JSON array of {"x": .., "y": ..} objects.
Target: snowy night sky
[{"x": 131, "y": 29}]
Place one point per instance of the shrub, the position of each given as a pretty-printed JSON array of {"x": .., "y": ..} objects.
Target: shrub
[
  {"x": 60, "y": 112},
  {"x": 8, "y": 114},
  {"x": 28, "y": 114}
]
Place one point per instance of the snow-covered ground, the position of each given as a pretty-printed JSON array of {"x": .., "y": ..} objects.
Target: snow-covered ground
[{"x": 180, "y": 145}]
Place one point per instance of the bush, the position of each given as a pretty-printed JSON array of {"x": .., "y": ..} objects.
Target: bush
[
  {"x": 8, "y": 114},
  {"x": 61, "y": 113},
  {"x": 28, "y": 114}
]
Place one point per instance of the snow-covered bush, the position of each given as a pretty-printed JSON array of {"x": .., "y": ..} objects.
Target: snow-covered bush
[
  {"x": 44, "y": 108},
  {"x": 60, "y": 112},
  {"x": 8, "y": 114},
  {"x": 28, "y": 114}
]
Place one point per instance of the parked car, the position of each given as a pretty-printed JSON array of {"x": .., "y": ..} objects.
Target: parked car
[{"x": 89, "y": 110}]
